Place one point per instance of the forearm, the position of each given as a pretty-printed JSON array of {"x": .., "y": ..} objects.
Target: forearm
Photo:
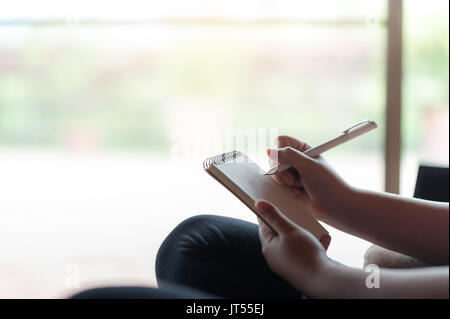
[
  {"x": 414, "y": 227},
  {"x": 336, "y": 281}
]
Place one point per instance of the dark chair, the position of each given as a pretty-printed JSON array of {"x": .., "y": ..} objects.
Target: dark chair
[{"x": 432, "y": 183}]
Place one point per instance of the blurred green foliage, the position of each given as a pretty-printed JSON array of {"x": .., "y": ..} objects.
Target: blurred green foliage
[
  {"x": 426, "y": 65},
  {"x": 95, "y": 84}
]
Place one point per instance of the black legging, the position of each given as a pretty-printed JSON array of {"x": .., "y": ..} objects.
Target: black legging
[{"x": 208, "y": 256}]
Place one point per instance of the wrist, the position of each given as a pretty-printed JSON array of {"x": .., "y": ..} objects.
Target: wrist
[
  {"x": 336, "y": 209},
  {"x": 322, "y": 283},
  {"x": 314, "y": 282}
]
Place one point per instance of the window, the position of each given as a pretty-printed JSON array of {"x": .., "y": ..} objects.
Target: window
[{"x": 425, "y": 107}]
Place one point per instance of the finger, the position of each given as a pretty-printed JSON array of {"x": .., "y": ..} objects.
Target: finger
[
  {"x": 274, "y": 218},
  {"x": 289, "y": 177},
  {"x": 271, "y": 162},
  {"x": 284, "y": 141},
  {"x": 265, "y": 233},
  {"x": 300, "y": 194},
  {"x": 265, "y": 229},
  {"x": 291, "y": 156}
]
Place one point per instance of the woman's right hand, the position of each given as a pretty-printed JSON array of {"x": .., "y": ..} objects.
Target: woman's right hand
[{"x": 311, "y": 180}]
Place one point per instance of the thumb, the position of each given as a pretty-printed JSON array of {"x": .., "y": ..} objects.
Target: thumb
[
  {"x": 273, "y": 217},
  {"x": 291, "y": 156}
]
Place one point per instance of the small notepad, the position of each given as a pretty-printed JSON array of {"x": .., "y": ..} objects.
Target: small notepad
[{"x": 245, "y": 180}]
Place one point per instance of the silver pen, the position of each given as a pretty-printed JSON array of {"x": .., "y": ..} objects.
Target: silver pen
[{"x": 347, "y": 135}]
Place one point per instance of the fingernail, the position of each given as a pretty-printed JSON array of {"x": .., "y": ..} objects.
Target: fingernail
[{"x": 257, "y": 202}]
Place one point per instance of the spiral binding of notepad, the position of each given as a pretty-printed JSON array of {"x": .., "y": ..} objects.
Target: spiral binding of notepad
[{"x": 221, "y": 159}]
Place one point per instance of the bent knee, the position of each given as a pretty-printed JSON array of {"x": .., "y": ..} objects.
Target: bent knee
[
  {"x": 196, "y": 222},
  {"x": 193, "y": 230},
  {"x": 192, "y": 236}
]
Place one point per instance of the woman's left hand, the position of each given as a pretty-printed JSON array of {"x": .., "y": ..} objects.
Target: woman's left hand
[{"x": 290, "y": 251}]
